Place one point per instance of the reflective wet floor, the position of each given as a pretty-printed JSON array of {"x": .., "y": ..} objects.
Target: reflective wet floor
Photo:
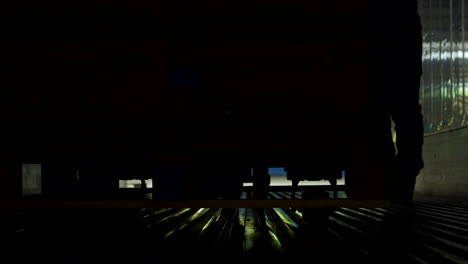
[{"x": 422, "y": 233}]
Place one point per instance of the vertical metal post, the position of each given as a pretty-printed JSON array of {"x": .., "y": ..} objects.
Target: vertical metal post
[
  {"x": 463, "y": 71},
  {"x": 452, "y": 70},
  {"x": 423, "y": 83},
  {"x": 442, "y": 88},
  {"x": 431, "y": 66}
]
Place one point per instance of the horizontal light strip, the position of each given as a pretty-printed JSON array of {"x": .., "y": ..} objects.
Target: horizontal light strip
[{"x": 196, "y": 204}]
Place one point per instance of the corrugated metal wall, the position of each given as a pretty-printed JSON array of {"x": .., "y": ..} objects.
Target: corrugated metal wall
[{"x": 444, "y": 84}]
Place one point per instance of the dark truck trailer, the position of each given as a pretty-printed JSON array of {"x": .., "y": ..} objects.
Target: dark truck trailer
[{"x": 191, "y": 93}]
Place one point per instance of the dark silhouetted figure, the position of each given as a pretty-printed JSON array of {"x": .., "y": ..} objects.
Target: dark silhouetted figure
[
  {"x": 143, "y": 187},
  {"x": 396, "y": 67},
  {"x": 395, "y": 51},
  {"x": 261, "y": 184}
]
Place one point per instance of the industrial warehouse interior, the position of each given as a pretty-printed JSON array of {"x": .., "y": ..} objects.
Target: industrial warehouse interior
[{"x": 324, "y": 131}]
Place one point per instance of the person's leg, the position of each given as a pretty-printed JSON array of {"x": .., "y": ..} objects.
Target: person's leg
[
  {"x": 261, "y": 182},
  {"x": 409, "y": 127},
  {"x": 404, "y": 183}
]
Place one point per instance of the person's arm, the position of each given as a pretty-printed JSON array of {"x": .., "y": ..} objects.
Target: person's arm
[{"x": 409, "y": 130}]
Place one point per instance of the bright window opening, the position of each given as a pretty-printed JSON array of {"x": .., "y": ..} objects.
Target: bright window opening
[
  {"x": 32, "y": 179},
  {"x": 134, "y": 184},
  {"x": 278, "y": 177}
]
